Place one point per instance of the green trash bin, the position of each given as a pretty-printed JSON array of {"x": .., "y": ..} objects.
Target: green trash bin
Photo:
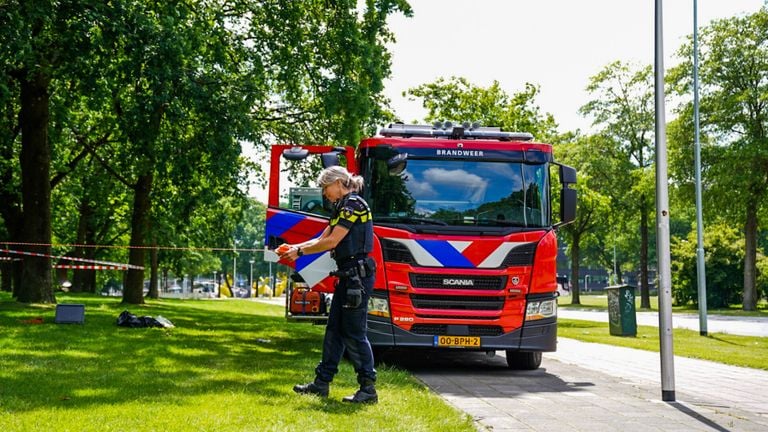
[{"x": 622, "y": 320}]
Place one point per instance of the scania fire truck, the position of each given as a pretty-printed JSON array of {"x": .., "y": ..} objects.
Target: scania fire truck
[{"x": 465, "y": 239}]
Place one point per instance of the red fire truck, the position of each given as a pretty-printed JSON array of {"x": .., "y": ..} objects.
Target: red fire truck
[{"x": 464, "y": 236}]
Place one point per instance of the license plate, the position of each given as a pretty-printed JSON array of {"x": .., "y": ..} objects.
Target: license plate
[{"x": 457, "y": 341}]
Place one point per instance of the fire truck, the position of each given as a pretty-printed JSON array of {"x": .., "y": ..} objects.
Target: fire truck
[{"x": 464, "y": 236}]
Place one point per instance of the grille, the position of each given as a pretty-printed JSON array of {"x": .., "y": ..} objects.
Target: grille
[
  {"x": 453, "y": 317},
  {"x": 421, "y": 280},
  {"x": 396, "y": 252},
  {"x": 457, "y": 302},
  {"x": 442, "y": 329},
  {"x": 520, "y": 256}
]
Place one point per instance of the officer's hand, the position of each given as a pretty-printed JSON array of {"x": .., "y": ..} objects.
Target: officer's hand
[{"x": 285, "y": 251}]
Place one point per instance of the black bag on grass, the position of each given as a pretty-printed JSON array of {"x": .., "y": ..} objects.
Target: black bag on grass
[{"x": 127, "y": 319}]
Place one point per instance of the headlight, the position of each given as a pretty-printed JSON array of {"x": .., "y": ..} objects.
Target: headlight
[
  {"x": 378, "y": 307},
  {"x": 541, "y": 309}
]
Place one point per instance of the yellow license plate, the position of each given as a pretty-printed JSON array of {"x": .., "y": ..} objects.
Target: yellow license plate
[{"x": 458, "y": 341}]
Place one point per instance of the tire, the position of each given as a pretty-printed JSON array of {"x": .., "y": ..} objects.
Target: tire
[{"x": 519, "y": 360}]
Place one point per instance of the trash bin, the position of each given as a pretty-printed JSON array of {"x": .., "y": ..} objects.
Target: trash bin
[{"x": 622, "y": 320}]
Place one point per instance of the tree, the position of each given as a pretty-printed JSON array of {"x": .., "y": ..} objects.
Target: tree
[
  {"x": 724, "y": 260},
  {"x": 459, "y": 100},
  {"x": 734, "y": 115},
  {"x": 623, "y": 109},
  {"x": 593, "y": 212}
]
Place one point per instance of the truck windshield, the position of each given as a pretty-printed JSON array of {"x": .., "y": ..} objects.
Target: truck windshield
[{"x": 459, "y": 192}]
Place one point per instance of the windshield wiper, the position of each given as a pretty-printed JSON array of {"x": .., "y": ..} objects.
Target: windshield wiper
[{"x": 409, "y": 219}]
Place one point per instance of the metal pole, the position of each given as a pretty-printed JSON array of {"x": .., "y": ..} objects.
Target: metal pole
[
  {"x": 700, "y": 268},
  {"x": 662, "y": 223},
  {"x": 234, "y": 268},
  {"x": 250, "y": 281},
  {"x": 615, "y": 269}
]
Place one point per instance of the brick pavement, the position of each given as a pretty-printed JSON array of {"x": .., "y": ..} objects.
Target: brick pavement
[{"x": 593, "y": 387}]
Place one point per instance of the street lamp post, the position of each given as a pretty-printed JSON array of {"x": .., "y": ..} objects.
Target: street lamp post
[
  {"x": 250, "y": 287},
  {"x": 586, "y": 283},
  {"x": 234, "y": 268},
  {"x": 271, "y": 282},
  {"x": 215, "y": 285}
]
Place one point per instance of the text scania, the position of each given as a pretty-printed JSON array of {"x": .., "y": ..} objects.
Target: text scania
[
  {"x": 453, "y": 152},
  {"x": 462, "y": 282}
]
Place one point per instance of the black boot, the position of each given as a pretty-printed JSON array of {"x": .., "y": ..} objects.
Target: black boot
[
  {"x": 316, "y": 387},
  {"x": 366, "y": 395}
]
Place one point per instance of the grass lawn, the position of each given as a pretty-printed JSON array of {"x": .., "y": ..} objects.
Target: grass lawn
[{"x": 227, "y": 366}]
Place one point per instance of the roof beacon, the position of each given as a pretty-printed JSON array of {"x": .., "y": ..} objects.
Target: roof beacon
[{"x": 448, "y": 130}]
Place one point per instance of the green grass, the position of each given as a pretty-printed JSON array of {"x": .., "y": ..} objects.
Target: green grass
[
  {"x": 747, "y": 351},
  {"x": 227, "y": 366}
]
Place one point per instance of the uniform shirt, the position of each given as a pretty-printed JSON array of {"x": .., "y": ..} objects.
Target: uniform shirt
[{"x": 353, "y": 213}]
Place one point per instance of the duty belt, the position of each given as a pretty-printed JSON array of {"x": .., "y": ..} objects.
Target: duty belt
[{"x": 360, "y": 266}]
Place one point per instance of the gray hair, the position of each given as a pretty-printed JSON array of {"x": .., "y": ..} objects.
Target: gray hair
[{"x": 334, "y": 173}]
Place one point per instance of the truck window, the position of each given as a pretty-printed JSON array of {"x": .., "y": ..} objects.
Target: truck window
[{"x": 461, "y": 192}]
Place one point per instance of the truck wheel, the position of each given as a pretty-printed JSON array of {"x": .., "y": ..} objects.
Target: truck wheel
[{"x": 523, "y": 360}]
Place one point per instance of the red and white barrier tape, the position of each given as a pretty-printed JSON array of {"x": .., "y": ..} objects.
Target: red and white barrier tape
[
  {"x": 62, "y": 257},
  {"x": 90, "y": 267},
  {"x": 75, "y": 245}
]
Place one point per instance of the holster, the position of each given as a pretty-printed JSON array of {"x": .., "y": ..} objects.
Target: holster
[{"x": 353, "y": 274}]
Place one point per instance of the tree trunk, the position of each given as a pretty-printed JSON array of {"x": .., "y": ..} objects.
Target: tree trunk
[
  {"x": 134, "y": 281},
  {"x": 645, "y": 296},
  {"x": 10, "y": 213},
  {"x": 153, "y": 292},
  {"x": 85, "y": 280},
  {"x": 6, "y": 281},
  {"x": 750, "y": 257},
  {"x": 35, "y": 160},
  {"x": 575, "y": 256}
]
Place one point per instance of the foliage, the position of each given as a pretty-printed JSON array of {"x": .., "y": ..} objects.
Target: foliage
[
  {"x": 724, "y": 253},
  {"x": 224, "y": 365},
  {"x": 459, "y": 100}
]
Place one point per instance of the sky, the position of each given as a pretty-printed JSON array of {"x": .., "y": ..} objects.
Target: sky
[{"x": 556, "y": 44}]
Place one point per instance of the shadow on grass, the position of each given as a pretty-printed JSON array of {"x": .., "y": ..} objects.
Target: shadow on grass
[{"x": 217, "y": 346}]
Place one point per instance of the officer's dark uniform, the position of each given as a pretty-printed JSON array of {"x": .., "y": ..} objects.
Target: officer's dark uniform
[{"x": 347, "y": 324}]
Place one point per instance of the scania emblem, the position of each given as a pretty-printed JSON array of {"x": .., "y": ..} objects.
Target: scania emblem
[
  {"x": 461, "y": 282},
  {"x": 515, "y": 280}
]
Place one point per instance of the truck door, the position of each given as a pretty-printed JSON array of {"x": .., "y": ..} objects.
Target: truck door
[{"x": 297, "y": 212}]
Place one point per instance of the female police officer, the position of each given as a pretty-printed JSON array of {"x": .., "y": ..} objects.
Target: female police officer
[{"x": 350, "y": 235}]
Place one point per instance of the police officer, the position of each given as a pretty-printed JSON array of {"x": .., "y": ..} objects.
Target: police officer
[{"x": 350, "y": 235}]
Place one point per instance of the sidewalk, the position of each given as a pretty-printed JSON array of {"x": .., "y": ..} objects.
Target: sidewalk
[
  {"x": 593, "y": 387},
  {"x": 746, "y": 326}
]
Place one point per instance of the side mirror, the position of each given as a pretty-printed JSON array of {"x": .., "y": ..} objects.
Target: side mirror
[
  {"x": 567, "y": 175},
  {"x": 567, "y": 195},
  {"x": 567, "y": 205},
  {"x": 397, "y": 164},
  {"x": 295, "y": 153},
  {"x": 332, "y": 157}
]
